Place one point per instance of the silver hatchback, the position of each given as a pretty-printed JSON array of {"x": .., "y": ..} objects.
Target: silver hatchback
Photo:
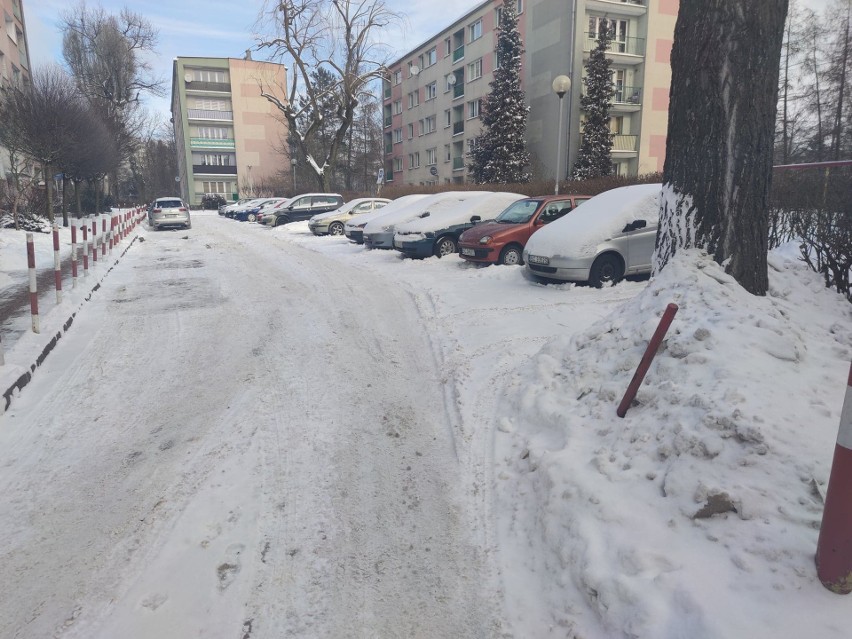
[{"x": 169, "y": 211}]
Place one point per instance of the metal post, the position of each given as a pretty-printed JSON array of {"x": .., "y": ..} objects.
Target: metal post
[
  {"x": 559, "y": 147},
  {"x": 33, "y": 285},
  {"x": 57, "y": 265}
]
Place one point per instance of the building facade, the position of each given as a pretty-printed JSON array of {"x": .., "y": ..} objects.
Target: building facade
[
  {"x": 433, "y": 94},
  {"x": 14, "y": 56},
  {"x": 227, "y": 135}
]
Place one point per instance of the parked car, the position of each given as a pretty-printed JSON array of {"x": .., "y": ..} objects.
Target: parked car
[
  {"x": 169, "y": 211},
  {"x": 354, "y": 228},
  {"x": 303, "y": 207},
  {"x": 224, "y": 210},
  {"x": 249, "y": 214},
  {"x": 436, "y": 232},
  {"x": 502, "y": 240},
  {"x": 232, "y": 211},
  {"x": 378, "y": 233},
  {"x": 610, "y": 236},
  {"x": 267, "y": 209},
  {"x": 331, "y": 223}
]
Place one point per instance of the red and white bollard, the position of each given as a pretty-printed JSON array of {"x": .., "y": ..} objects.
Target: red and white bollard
[
  {"x": 33, "y": 285},
  {"x": 85, "y": 250},
  {"x": 73, "y": 255},
  {"x": 103, "y": 237},
  {"x": 834, "y": 548},
  {"x": 94, "y": 242},
  {"x": 57, "y": 265}
]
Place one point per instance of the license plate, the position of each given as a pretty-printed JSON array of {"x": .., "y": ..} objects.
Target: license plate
[
  {"x": 538, "y": 259},
  {"x": 468, "y": 251}
]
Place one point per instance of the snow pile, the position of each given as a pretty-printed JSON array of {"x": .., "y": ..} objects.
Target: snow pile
[{"x": 708, "y": 493}]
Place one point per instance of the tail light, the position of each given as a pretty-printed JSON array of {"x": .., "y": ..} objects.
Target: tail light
[
  {"x": 182, "y": 210},
  {"x": 158, "y": 210}
]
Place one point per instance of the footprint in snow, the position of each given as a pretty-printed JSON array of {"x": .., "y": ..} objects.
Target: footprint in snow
[{"x": 228, "y": 570}]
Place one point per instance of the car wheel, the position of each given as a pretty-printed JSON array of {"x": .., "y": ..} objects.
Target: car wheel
[
  {"x": 336, "y": 228},
  {"x": 607, "y": 268},
  {"x": 281, "y": 220},
  {"x": 445, "y": 246},
  {"x": 511, "y": 256},
  {"x": 252, "y": 217},
  {"x": 188, "y": 225}
]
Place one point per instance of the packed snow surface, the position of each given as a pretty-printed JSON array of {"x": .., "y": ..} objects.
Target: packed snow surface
[{"x": 257, "y": 433}]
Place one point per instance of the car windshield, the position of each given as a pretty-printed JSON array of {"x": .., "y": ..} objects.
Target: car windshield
[
  {"x": 169, "y": 204},
  {"x": 518, "y": 213}
]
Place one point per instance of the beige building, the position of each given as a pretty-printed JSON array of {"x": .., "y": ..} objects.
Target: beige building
[
  {"x": 433, "y": 94},
  {"x": 228, "y": 136},
  {"x": 14, "y": 55}
]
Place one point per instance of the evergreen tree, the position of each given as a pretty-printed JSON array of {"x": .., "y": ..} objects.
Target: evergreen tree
[
  {"x": 500, "y": 153},
  {"x": 596, "y": 143}
]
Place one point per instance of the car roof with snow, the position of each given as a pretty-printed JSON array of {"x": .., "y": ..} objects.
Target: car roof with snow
[
  {"x": 432, "y": 203},
  {"x": 599, "y": 219},
  {"x": 486, "y": 206},
  {"x": 394, "y": 205},
  {"x": 351, "y": 204}
]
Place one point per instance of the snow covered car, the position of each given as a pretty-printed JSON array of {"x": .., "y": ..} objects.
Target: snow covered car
[
  {"x": 250, "y": 214},
  {"x": 610, "y": 236},
  {"x": 331, "y": 223},
  {"x": 502, "y": 240},
  {"x": 379, "y": 232},
  {"x": 437, "y": 232},
  {"x": 354, "y": 228}
]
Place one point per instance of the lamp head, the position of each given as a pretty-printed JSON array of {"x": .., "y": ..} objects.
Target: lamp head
[{"x": 561, "y": 85}]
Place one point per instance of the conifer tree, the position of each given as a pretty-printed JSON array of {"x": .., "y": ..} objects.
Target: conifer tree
[
  {"x": 596, "y": 142},
  {"x": 500, "y": 153}
]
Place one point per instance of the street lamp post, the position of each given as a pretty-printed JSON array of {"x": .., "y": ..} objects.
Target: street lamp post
[{"x": 561, "y": 85}]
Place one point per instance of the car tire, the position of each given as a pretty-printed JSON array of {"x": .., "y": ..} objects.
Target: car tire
[
  {"x": 281, "y": 220},
  {"x": 335, "y": 228},
  {"x": 608, "y": 268},
  {"x": 511, "y": 256},
  {"x": 251, "y": 217},
  {"x": 445, "y": 245}
]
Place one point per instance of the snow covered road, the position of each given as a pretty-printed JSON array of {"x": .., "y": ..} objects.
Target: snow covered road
[{"x": 204, "y": 459}]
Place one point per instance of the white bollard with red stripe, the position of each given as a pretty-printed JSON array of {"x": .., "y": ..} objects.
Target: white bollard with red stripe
[
  {"x": 85, "y": 250},
  {"x": 33, "y": 285},
  {"x": 834, "y": 548},
  {"x": 57, "y": 265},
  {"x": 74, "y": 254}
]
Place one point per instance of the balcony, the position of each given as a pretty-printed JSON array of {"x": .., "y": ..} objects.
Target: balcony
[
  {"x": 625, "y": 143},
  {"x": 208, "y": 114},
  {"x": 618, "y": 7},
  {"x": 458, "y": 53},
  {"x": 387, "y": 92},
  {"x": 458, "y": 163},
  {"x": 458, "y": 128},
  {"x": 625, "y": 46},
  {"x": 389, "y": 176},
  {"x": 212, "y": 143},
  {"x": 388, "y": 120},
  {"x": 213, "y": 169},
  {"x": 222, "y": 87},
  {"x": 458, "y": 90}
]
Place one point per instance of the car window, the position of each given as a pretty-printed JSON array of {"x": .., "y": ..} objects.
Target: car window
[
  {"x": 518, "y": 213},
  {"x": 302, "y": 203},
  {"x": 579, "y": 200},
  {"x": 324, "y": 200},
  {"x": 169, "y": 204},
  {"x": 364, "y": 206},
  {"x": 379, "y": 205},
  {"x": 555, "y": 210}
]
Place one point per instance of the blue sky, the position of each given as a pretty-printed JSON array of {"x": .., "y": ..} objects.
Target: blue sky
[
  {"x": 224, "y": 28},
  {"x": 217, "y": 28}
]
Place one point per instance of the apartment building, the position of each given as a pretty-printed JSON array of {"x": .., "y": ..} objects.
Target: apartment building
[
  {"x": 14, "y": 55},
  {"x": 434, "y": 93},
  {"x": 227, "y": 135}
]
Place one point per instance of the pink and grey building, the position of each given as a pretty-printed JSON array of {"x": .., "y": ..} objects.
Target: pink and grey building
[{"x": 432, "y": 96}]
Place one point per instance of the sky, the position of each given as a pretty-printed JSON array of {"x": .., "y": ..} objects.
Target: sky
[
  {"x": 222, "y": 28},
  {"x": 414, "y": 448}
]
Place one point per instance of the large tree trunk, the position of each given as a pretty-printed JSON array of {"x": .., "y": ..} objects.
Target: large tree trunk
[{"x": 718, "y": 165}]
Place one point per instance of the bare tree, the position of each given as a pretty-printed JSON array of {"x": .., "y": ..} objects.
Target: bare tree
[
  {"x": 335, "y": 36},
  {"x": 718, "y": 167}
]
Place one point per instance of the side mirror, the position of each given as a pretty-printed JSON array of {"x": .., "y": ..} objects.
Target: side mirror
[
  {"x": 635, "y": 225},
  {"x": 475, "y": 219}
]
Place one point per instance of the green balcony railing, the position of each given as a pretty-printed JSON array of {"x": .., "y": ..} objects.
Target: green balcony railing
[
  {"x": 212, "y": 143},
  {"x": 458, "y": 163},
  {"x": 458, "y": 54},
  {"x": 387, "y": 120},
  {"x": 389, "y": 147},
  {"x": 458, "y": 90},
  {"x": 627, "y": 95},
  {"x": 458, "y": 127},
  {"x": 625, "y": 142}
]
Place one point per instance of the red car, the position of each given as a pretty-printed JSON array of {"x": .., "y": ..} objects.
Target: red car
[{"x": 502, "y": 240}]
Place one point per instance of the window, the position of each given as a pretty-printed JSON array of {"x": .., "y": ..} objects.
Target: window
[
  {"x": 422, "y": 127},
  {"x": 214, "y": 133},
  {"x": 216, "y": 187},
  {"x": 432, "y": 91},
  {"x": 413, "y": 99},
  {"x": 447, "y": 153},
  {"x": 431, "y": 156},
  {"x": 397, "y": 107},
  {"x": 431, "y": 56},
  {"x": 430, "y": 124},
  {"x": 397, "y": 136},
  {"x": 520, "y": 6},
  {"x": 414, "y": 160},
  {"x": 208, "y": 75},
  {"x": 474, "y": 31},
  {"x": 411, "y": 131},
  {"x": 213, "y": 159},
  {"x": 448, "y": 118},
  {"x": 471, "y": 144},
  {"x": 473, "y": 108},
  {"x": 397, "y": 164},
  {"x": 448, "y": 43},
  {"x": 474, "y": 70},
  {"x": 397, "y": 77}
]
